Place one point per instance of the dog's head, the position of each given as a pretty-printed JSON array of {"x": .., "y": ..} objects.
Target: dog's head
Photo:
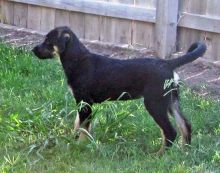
[{"x": 54, "y": 44}]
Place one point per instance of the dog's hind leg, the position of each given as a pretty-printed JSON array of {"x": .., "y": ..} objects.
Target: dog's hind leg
[
  {"x": 182, "y": 123},
  {"x": 159, "y": 111}
]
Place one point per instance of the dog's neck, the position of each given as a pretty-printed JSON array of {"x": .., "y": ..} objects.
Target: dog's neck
[
  {"x": 75, "y": 47},
  {"x": 74, "y": 51},
  {"x": 74, "y": 57}
]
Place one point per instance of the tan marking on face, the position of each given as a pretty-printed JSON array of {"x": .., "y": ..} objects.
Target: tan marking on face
[{"x": 56, "y": 51}]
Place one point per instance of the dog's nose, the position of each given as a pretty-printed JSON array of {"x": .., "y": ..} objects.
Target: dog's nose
[{"x": 34, "y": 49}]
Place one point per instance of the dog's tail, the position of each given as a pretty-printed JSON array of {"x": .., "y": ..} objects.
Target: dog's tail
[{"x": 195, "y": 51}]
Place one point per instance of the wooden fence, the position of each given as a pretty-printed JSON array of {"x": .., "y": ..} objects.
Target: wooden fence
[{"x": 161, "y": 25}]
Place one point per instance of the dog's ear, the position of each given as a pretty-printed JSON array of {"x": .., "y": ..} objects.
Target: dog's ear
[{"x": 66, "y": 37}]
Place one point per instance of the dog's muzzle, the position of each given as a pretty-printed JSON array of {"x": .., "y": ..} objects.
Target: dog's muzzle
[
  {"x": 35, "y": 50},
  {"x": 41, "y": 52}
]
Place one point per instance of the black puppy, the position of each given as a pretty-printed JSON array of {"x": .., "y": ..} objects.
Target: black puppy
[{"x": 95, "y": 78}]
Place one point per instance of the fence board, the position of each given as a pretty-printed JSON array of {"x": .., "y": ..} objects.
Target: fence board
[
  {"x": 107, "y": 29},
  {"x": 212, "y": 10},
  {"x": 77, "y": 23},
  {"x": 1, "y": 17},
  {"x": 122, "y": 1},
  {"x": 8, "y": 12},
  {"x": 186, "y": 37},
  {"x": 98, "y": 8},
  {"x": 34, "y": 17},
  {"x": 144, "y": 3},
  {"x": 165, "y": 35},
  {"x": 92, "y": 27},
  {"x": 200, "y": 22},
  {"x": 62, "y": 18},
  {"x": 143, "y": 34},
  {"x": 193, "y": 6},
  {"x": 20, "y": 14},
  {"x": 116, "y": 30},
  {"x": 122, "y": 31},
  {"x": 212, "y": 41},
  {"x": 214, "y": 50},
  {"x": 192, "y": 10},
  {"x": 122, "y": 28},
  {"x": 47, "y": 19}
]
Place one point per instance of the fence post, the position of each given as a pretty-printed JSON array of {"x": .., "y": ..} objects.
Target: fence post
[{"x": 166, "y": 27}]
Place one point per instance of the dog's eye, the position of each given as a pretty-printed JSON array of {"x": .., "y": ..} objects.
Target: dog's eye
[{"x": 48, "y": 44}]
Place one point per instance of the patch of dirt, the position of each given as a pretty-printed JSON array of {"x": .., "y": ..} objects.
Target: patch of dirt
[{"x": 201, "y": 77}]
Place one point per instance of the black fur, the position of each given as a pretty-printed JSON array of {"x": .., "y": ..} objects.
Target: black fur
[{"x": 95, "y": 78}]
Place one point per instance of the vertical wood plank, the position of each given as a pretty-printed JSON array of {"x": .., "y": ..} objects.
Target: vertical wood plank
[
  {"x": 213, "y": 8},
  {"x": 62, "y": 18},
  {"x": 34, "y": 17},
  {"x": 1, "y": 12},
  {"x": 147, "y": 4},
  {"x": 142, "y": 3},
  {"x": 183, "y": 4},
  {"x": 20, "y": 14},
  {"x": 122, "y": 31},
  {"x": 92, "y": 27},
  {"x": 77, "y": 23},
  {"x": 215, "y": 51},
  {"x": 116, "y": 30},
  {"x": 187, "y": 36},
  {"x": 47, "y": 19},
  {"x": 123, "y": 1},
  {"x": 213, "y": 39},
  {"x": 166, "y": 27},
  {"x": 143, "y": 34},
  {"x": 7, "y": 12},
  {"x": 107, "y": 29},
  {"x": 197, "y": 6},
  {"x": 193, "y": 6}
]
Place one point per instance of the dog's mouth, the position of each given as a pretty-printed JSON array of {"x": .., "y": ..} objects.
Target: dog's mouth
[{"x": 42, "y": 53}]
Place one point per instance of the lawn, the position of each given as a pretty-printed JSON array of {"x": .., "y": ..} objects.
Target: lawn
[{"x": 37, "y": 113}]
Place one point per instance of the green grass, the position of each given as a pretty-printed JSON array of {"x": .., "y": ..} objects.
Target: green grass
[{"x": 36, "y": 127}]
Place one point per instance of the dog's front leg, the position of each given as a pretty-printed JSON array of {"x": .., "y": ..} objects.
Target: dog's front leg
[{"x": 83, "y": 120}]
